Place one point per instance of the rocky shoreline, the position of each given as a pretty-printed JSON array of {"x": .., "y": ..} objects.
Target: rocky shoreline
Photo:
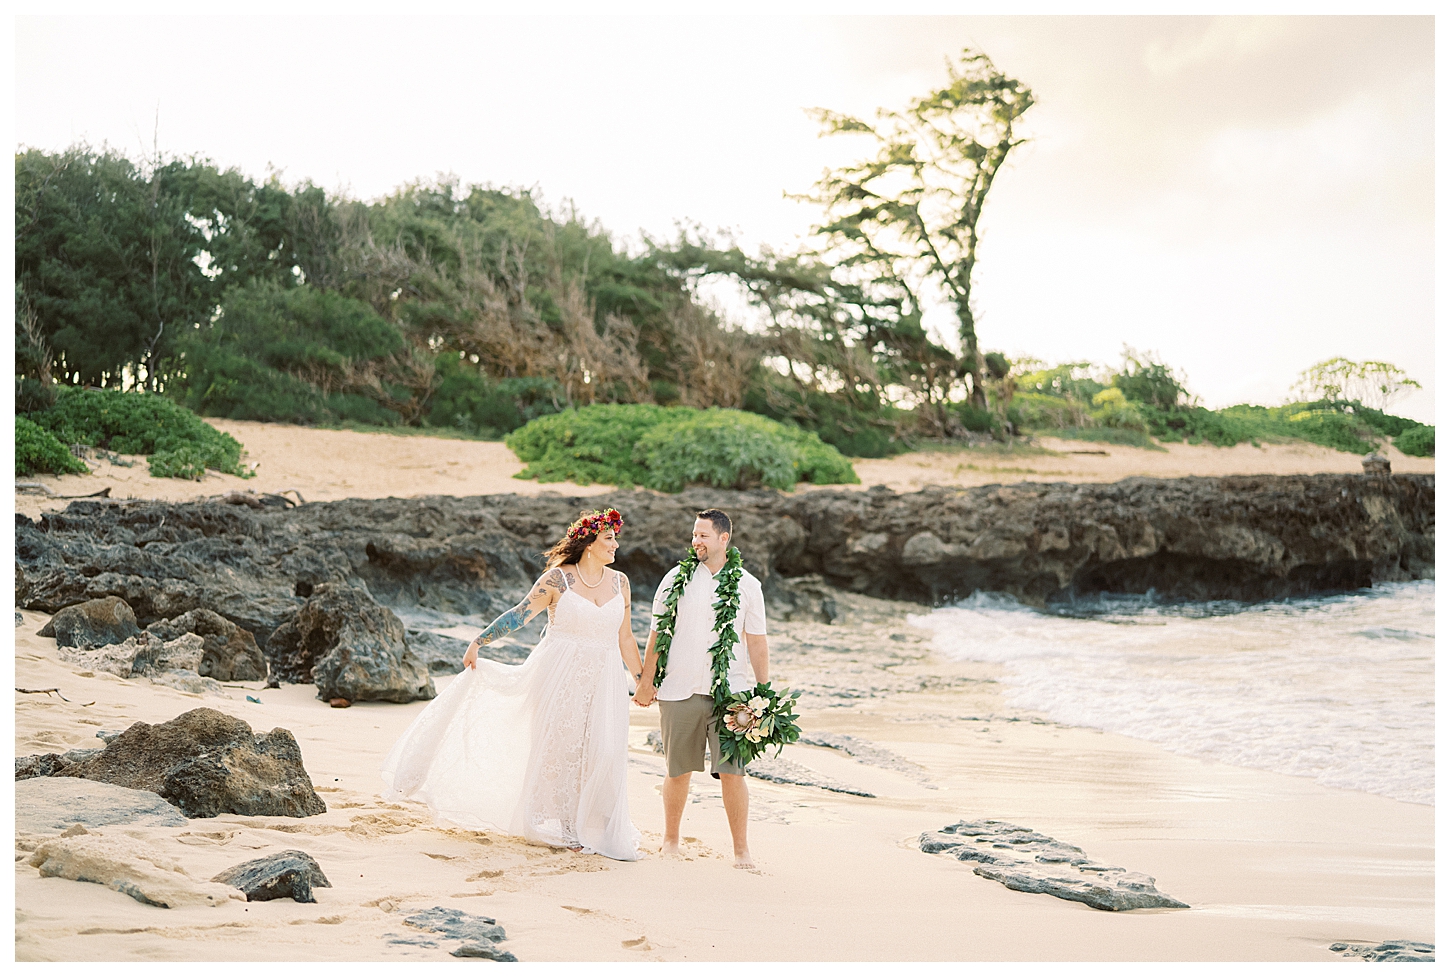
[{"x": 292, "y": 575}]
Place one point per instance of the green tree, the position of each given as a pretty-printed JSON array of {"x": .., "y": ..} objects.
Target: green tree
[
  {"x": 120, "y": 260},
  {"x": 906, "y": 218},
  {"x": 1374, "y": 383}
]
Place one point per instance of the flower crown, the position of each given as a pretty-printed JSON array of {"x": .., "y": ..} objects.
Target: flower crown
[{"x": 594, "y": 523}]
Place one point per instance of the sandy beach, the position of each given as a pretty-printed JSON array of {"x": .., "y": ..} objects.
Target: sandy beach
[
  {"x": 1273, "y": 867},
  {"x": 325, "y": 465}
]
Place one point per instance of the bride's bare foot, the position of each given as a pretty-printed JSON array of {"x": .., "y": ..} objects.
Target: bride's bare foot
[
  {"x": 670, "y": 847},
  {"x": 576, "y": 847},
  {"x": 743, "y": 860}
]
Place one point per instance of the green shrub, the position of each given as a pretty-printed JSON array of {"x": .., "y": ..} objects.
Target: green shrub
[
  {"x": 1418, "y": 441},
  {"x": 978, "y": 419},
  {"x": 1145, "y": 381},
  {"x": 589, "y": 444},
  {"x": 1378, "y": 421},
  {"x": 1104, "y": 435},
  {"x": 855, "y": 433},
  {"x": 37, "y": 450},
  {"x": 1036, "y": 410},
  {"x": 816, "y": 461},
  {"x": 139, "y": 423},
  {"x": 668, "y": 448},
  {"x": 32, "y": 395},
  {"x": 1070, "y": 381},
  {"x": 467, "y": 400},
  {"x": 186, "y": 461},
  {"x": 1330, "y": 428},
  {"x": 718, "y": 448},
  {"x": 1112, "y": 409}
]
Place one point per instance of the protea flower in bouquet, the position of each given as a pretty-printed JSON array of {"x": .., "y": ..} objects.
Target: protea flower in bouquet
[{"x": 752, "y": 721}]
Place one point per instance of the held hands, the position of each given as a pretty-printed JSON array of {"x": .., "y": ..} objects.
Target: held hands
[{"x": 644, "y": 695}]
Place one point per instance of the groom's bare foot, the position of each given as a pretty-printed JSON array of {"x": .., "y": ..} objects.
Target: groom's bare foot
[
  {"x": 743, "y": 860},
  {"x": 670, "y": 847}
]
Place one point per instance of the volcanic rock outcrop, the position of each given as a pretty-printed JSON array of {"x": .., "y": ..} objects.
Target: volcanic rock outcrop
[
  {"x": 92, "y": 624},
  {"x": 350, "y": 646},
  {"x": 286, "y": 875},
  {"x": 207, "y": 763},
  {"x": 1242, "y": 538},
  {"x": 1027, "y": 861},
  {"x": 229, "y": 653}
]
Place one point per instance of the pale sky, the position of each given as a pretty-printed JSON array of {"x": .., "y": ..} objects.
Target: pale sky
[{"x": 1246, "y": 196}]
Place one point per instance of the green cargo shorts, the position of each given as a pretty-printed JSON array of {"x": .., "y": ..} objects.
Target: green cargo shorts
[{"x": 686, "y": 726}]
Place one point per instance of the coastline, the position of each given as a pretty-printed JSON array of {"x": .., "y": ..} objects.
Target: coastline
[{"x": 1274, "y": 867}]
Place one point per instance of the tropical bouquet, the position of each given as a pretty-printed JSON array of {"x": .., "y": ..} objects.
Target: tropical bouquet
[{"x": 755, "y": 720}]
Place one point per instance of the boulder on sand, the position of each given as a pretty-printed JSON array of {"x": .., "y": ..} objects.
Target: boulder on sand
[
  {"x": 351, "y": 646},
  {"x": 141, "y": 654},
  {"x": 208, "y": 763},
  {"x": 286, "y": 875},
  {"x": 229, "y": 652},
  {"x": 92, "y": 623},
  {"x": 129, "y": 866}
]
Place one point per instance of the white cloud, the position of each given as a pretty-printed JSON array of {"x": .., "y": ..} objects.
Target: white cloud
[{"x": 1220, "y": 39}]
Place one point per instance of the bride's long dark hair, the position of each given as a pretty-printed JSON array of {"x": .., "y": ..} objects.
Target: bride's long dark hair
[{"x": 572, "y": 545}]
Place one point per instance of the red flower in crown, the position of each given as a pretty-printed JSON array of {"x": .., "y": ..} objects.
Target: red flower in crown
[{"x": 594, "y": 523}]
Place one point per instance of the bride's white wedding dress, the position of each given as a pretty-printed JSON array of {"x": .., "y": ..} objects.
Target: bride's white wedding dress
[{"x": 537, "y": 749}]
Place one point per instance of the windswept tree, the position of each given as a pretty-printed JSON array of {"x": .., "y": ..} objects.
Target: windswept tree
[
  {"x": 905, "y": 219},
  {"x": 1372, "y": 383}
]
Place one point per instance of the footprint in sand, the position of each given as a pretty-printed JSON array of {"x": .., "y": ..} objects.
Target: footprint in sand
[{"x": 640, "y": 944}]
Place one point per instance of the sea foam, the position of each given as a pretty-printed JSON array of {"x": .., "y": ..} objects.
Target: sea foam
[{"x": 1337, "y": 688}]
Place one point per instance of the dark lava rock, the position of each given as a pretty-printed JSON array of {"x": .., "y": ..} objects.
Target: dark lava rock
[
  {"x": 483, "y": 949},
  {"x": 229, "y": 652},
  {"x": 44, "y": 805},
  {"x": 208, "y": 763},
  {"x": 49, "y": 764},
  {"x": 92, "y": 624},
  {"x": 479, "y": 933},
  {"x": 1250, "y": 538},
  {"x": 1404, "y": 951},
  {"x": 286, "y": 875},
  {"x": 41, "y": 765},
  {"x": 351, "y": 646},
  {"x": 441, "y": 654},
  {"x": 1024, "y": 860}
]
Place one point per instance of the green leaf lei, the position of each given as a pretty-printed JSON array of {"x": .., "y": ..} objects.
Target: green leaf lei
[{"x": 776, "y": 719}]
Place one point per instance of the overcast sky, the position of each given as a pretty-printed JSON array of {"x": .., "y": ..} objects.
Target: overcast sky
[{"x": 1245, "y": 196}]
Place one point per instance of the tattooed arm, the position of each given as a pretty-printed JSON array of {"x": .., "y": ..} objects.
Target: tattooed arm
[
  {"x": 628, "y": 646},
  {"x": 546, "y": 591}
]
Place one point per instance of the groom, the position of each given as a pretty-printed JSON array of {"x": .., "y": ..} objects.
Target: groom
[{"x": 687, "y": 720}]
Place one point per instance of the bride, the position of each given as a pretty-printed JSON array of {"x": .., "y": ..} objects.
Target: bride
[{"x": 539, "y": 749}]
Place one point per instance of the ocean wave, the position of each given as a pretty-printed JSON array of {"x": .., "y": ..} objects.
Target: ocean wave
[{"x": 1339, "y": 688}]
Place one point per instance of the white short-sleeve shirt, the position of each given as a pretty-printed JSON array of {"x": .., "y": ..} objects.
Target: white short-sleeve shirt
[{"x": 687, "y": 672}]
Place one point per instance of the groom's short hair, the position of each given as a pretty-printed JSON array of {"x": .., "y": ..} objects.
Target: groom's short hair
[{"x": 718, "y": 519}]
